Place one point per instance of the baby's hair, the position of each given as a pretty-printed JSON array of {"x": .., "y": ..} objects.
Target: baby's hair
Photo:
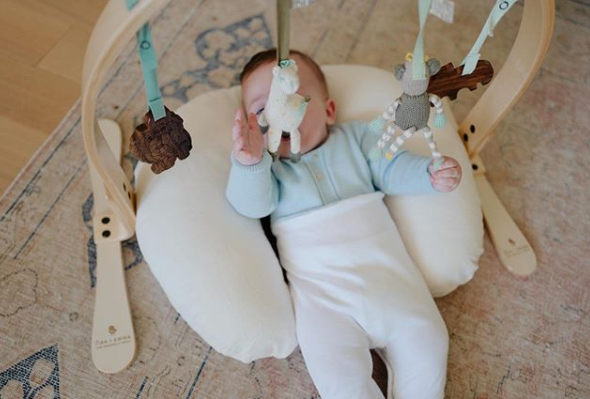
[{"x": 270, "y": 55}]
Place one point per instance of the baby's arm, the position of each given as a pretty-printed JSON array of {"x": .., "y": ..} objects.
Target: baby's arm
[
  {"x": 405, "y": 174},
  {"x": 408, "y": 173},
  {"x": 251, "y": 189},
  {"x": 411, "y": 174}
]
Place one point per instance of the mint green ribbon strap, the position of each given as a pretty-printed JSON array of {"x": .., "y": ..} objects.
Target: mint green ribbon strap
[
  {"x": 149, "y": 66},
  {"x": 500, "y": 8},
  {"x": 418, "y": 67}
]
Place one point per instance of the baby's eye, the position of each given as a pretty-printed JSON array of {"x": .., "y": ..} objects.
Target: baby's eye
[{"x": 259, "y": 111}]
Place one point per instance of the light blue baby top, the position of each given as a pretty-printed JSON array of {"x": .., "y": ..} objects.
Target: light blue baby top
[{"x": 338, "y": 169}]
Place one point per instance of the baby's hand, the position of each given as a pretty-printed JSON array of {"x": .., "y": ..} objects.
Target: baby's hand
[
  {"x": 248, "y": 146},
  {"x": 448, "y": 177}
]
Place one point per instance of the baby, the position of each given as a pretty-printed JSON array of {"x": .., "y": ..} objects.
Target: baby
[{"x": 354, "y": 287}]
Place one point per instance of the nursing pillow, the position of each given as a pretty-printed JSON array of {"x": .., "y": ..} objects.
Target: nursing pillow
[{"x": 218, "y": 268}]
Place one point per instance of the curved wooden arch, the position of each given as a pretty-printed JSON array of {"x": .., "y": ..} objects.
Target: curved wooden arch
[
  {"x": 114, "y": 198},
  {"x": 115, "y": 27},
  {"x": 519, "y": 69}
]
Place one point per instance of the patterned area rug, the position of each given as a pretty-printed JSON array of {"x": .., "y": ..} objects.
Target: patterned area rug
[{"x": 510, "y": 337}]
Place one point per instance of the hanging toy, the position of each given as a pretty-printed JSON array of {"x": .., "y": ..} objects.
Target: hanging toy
[
  {"x": 161, "y": 141},
  {"x": 284, "y": 109},
  {"x": 449, "y": 80},
  {"x": 162, "y": 137},
  {"x": 409, "y": 113},
  {"x": 446, "y": 83}
]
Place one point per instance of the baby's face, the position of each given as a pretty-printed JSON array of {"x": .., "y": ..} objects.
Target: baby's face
[{"x": 320, "y": 113}]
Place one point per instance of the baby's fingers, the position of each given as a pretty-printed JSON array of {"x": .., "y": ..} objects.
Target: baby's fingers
[
  {"x": 236, "y": 131},
  {"x": 448, "y": 162},
  {"x": 253, "y": 125},
  {"x": 450, "y": 172},
  {"x": 253, "y": 128},
  {"x": 445, "y": 181},
  {"x": 238, "y": 145},
  {"x": 238, "y": 124},
  {"x": 252, "y": 122},
  {"x": 445, "y": 184}
]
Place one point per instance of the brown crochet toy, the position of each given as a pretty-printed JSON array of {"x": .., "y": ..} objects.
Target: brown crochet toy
[{"x": 160, "y": 142}]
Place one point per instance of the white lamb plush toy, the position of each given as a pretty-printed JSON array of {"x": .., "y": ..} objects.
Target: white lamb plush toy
[{"x": 284, "y": 109}]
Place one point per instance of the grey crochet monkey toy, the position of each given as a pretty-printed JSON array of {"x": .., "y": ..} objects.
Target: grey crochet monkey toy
[{"x": 410, "y": 112}]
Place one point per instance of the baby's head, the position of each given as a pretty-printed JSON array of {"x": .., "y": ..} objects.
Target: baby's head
[{"x": 256, "y": 79}]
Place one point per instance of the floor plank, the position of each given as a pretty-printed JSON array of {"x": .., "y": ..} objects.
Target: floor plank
[
  {"x": 66, "y": 57},
  {"x": 42, "y": 46},
  {"x": 27, "y": 34},
  {"x": 83, "y": 11},
  {"x": 33, "y": 97},
  {"x": 23, "y": 143}
]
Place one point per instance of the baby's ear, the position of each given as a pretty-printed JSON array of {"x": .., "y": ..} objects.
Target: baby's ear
[
  {"x": 330, "y": 111},
  {"x": 398, "y": 71},
  {"x": 433, "y": 66}
]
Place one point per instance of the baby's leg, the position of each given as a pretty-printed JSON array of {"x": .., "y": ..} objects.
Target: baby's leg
[
  {"x": 336, "y": 353},
  {"x": 418, "y": 353}
]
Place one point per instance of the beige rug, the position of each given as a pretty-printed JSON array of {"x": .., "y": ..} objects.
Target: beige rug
[{"x": 510, "y": 337}]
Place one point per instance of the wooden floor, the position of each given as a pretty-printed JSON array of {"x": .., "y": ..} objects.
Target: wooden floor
[{"x": 42, "y": 45}]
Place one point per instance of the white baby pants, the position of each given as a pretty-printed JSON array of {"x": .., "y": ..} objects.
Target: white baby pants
[{"x": 355, "y": 288}]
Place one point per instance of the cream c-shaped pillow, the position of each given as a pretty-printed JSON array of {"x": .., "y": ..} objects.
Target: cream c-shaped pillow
[{"x": 217, "y": 267}]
